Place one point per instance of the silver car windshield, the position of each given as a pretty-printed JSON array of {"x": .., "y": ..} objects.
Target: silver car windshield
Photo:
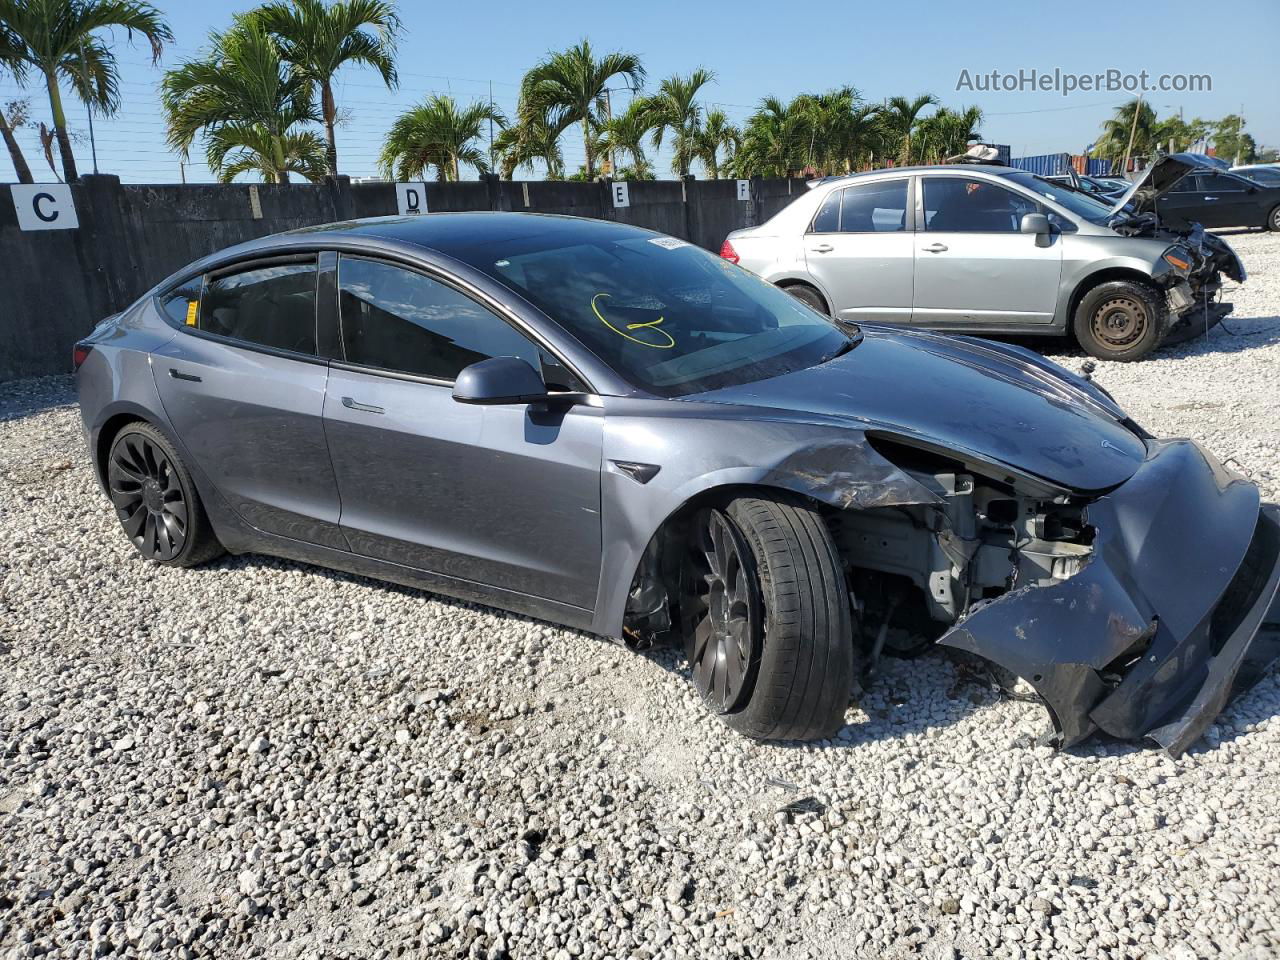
[
  {"x": 670, "y": 317},
  {"x": 1080, "y": 204}
]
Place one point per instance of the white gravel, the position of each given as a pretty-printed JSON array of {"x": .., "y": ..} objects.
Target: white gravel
[{"x": 264, "y": 759}]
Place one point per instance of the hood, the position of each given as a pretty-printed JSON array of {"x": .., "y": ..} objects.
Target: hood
[
  {"x": 998, "y": 404},
  {"x": 1158, "y": 179}
]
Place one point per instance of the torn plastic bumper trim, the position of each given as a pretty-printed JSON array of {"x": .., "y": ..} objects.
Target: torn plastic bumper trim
[{"x": 1167, "y": 619}]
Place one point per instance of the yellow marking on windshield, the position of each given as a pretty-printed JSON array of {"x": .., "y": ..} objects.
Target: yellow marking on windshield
[{"x": 651, "y": 325}]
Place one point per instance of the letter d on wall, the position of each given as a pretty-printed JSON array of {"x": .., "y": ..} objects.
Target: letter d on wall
[
  {"x": 44, "y": 206},
  {"x": 411, "y": 198}
]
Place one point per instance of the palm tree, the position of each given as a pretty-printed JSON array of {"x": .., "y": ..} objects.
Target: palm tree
[
  {"x": 947, "y": 133},
  {"x": 237, "y": 148},
  {"x": 437, "y": 134},
  {"x": 526, "y": 143},
  {"x": 318, "y": 40},
  {"x": 717, "y": 134},
  {"x": 624, "y": 134},
  {"x": 14, "y": 113},
  {"x": 674, "y": 107},
  {"x": 840, "y": 129},
  {"x": 776, "y": 138},
  {"x": 1136, "y": 121},
  {"x": 244, "y": 85},
  {"x": 572, "y": 87},
  {"x": 58, "y": 39},
  {"x": 900, "y": 117}
]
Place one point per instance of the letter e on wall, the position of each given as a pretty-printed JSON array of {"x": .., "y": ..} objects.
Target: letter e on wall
[
  {"x": 44, "y": 206},
  {"x": 620, "y": 196}
]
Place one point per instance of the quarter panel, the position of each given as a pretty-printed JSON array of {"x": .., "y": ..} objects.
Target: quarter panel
[{"x": 700, "y": 447}]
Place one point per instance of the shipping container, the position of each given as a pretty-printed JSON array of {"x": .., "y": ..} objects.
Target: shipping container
[{"x": 1045, "y": 164}]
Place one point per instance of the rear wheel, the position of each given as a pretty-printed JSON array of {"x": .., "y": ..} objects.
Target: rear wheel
[
  {"x": 1120, "y": 320},
  {"x": 766, "y": 619},
  {"x": 1273, "y": 219},
  {"x": 156, "y": 501},
  {"x": 808, "y": 296}
]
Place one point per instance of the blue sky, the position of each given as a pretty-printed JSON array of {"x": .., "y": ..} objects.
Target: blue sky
[{"x": 882, "y": 49}]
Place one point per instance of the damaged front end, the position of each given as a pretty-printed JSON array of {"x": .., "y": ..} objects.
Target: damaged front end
[
  {"x": 1192, "y": 280},
  {"x": 1138, "y": 613}
]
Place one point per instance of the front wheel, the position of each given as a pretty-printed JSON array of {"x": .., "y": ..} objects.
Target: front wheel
[
  {"x": 1120, "y": 320},
  {"x": 767, "y": 620},
  {"x": 810, "y": 297},
  {"x": 1273, "y": 220}
]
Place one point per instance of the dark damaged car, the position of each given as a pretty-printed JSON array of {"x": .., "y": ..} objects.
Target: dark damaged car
[{"x": 616, "y": 431}]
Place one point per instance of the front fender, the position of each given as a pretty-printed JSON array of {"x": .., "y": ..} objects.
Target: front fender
[{"x": 708, "y": 449}]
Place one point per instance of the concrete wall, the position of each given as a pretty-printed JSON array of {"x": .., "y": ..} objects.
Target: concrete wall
[{"x": 56, "y": 284}]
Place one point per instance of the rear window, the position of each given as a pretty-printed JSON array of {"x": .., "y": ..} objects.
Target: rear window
[
  {"x": 272, "y": 306},
  {"x": 182, "y": 303}
]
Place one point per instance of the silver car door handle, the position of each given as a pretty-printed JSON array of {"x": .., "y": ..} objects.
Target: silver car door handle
[
  {"x": 935, "y": 248},
  {"x": 351, "y": 404},
  {"x": 179, "y": 375},
  {"x": 822, "y": 248},
  {"x": 1211, "y": 198}
]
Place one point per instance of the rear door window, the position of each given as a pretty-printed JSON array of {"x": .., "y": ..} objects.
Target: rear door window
[
  {"x": 271, "y": 306},
  {"x": 182, "y": 303},
  {"x": 874, "y": 207}
]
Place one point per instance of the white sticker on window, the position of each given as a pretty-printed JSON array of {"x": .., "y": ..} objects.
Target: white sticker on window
[{"x": 669, "y": 243}]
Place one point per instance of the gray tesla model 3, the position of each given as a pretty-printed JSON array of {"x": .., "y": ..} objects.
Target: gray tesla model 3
[{"x": 614, "y": 430}]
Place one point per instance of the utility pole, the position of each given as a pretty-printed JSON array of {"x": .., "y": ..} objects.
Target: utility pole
[
  {"x": 491, "y": 158},
  {"x": 1133, "y": 128}
]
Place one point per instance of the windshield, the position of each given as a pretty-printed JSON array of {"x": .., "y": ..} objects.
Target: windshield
[
  {"x": 669, "y": 317},
  {"x": 1081, "y": 204}
]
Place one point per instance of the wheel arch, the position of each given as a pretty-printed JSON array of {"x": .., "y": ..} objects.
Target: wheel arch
[
  {"x": 1099, "y": 277},
  {"x": 845, "y": 473}
]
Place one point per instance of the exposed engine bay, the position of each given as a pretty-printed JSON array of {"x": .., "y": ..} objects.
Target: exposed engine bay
[{"x": 915, "y": 570}]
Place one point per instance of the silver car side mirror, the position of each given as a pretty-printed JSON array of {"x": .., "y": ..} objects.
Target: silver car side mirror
[{"x": 1038, "y": 224}]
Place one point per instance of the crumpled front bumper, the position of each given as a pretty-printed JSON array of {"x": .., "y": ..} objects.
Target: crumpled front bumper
[{"x": 1174, "y": 613}]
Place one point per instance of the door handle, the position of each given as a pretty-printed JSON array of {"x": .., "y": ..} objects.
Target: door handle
[
  {"x": 935, "y": 248},
  {"x": 822, "y": 248},
  {"x": 1211, "y": 198},
  {"x": 351, "y": 404},
  {"x": 179, "y": 375}
]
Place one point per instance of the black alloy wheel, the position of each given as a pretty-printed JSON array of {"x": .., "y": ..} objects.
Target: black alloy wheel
[
  {"x": 148, "y": 496},
  {"x": 724, "y": 632}
]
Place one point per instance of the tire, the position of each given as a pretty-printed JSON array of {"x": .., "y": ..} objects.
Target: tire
[
  {"x": 1273, "y": 219},
  {"x": 156, "y": 500},
  {"x": 1120, "y": 320},
  {"x": 808, "y": 296},
  {"x": 783, "y": 609}
]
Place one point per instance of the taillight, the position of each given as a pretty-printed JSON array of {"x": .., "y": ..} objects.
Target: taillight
[
  {"x": 728, "y": 253},
  {"x": 79, "y": 354}
]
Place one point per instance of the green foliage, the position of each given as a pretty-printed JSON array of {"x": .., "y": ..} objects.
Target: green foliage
[
  {"x": 318, "y": 39},
  {"x": 246, "y": 100},
  {"x": 59, "y": 41},
  {"x": 570, "y": 87},
  {"x": 437, "y": 133}
]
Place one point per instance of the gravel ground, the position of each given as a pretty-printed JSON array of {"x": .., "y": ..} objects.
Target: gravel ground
[{"x": 260, "y": 758}]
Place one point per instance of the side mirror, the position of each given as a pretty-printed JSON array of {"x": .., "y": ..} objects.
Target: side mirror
[
  {"x": 1038, "y": 224},
  {"x": 499, "y": 380}
]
